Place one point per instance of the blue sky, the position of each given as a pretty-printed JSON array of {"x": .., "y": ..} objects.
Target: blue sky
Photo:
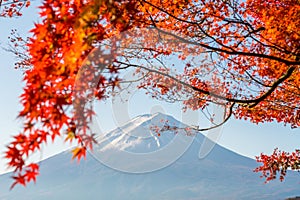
[{"x": 240, "y": 136}]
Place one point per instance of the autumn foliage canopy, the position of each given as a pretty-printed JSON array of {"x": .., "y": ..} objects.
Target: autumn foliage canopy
[{"x": 250, "y": 49}]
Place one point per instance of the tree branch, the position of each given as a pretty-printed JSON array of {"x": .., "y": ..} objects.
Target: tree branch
[
  {"x": 212, "y": 94},
  {"x": 274, "y": 86},
  {"x": 258, "y": 55},
  {"x": 218, "y": 125},
  {"x": 232, "y": 52}
]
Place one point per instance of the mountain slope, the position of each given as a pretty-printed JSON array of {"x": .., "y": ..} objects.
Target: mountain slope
[{"x": 223, "y": 174}]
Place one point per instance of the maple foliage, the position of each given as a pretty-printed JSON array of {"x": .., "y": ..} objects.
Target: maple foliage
[
  {"x": 252, "y": 58},
  {"x": 278, "y": 162},
  {"x": 13, "y": 8}
]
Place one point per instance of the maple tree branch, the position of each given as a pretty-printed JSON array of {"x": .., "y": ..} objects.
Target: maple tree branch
[
  {"x": 232, "y": 52},
  {"x": 274, "y": 86},
  {"x": 249, "y": 35},
  {"x": 253, "y": 102},
  {"x": 196, "y": 128},
  {"x": 239, "y": 22},
  {"x": 214, "y": 39},
  {"x": 250, "y": 54},
  {"x": 255, "y": 80},
  {"x": 220, "y": 124},
  {"x": 9, "y": 3}
]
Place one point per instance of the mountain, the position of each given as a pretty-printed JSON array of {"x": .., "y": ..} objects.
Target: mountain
[{"x": 133, "y": 162}]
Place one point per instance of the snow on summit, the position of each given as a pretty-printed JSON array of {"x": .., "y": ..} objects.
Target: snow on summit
[{"x": 139, "y": 135}]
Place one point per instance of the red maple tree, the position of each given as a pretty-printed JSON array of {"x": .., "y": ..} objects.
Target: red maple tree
[{"x": 251, "y": 54}]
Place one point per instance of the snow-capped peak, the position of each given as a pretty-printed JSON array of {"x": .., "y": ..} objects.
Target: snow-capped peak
[{"x": 141, "y": 134}]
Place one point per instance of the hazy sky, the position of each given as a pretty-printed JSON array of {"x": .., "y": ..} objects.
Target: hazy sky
[{"x": 240, "y": 136}]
